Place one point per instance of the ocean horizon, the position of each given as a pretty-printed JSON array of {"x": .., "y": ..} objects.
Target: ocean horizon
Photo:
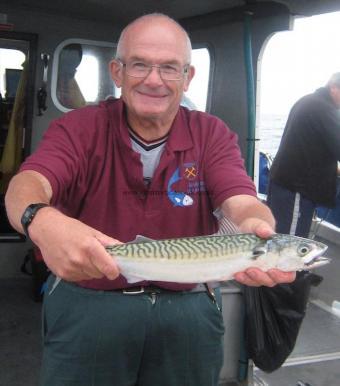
[{"x": 269, "y": 131}]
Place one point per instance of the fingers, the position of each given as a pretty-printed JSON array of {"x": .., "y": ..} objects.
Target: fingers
[
  {"x": 102, "y": 263},
  {"x": 263, "y": 230},
  {"x": 255, "y": 277},
  {"x": 92, "y": 263},
  {"x": 91, "y": 270},
  {"x": 281, "y": 276},
  {"x": 71, "y": 273},
  {"x": 74, "y": 251},
  {"x": 257, "y": 226},
  {"x": 106, "y": 240}
]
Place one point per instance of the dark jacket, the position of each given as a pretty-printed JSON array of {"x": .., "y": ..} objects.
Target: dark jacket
[{"x": 306, "y": 161}]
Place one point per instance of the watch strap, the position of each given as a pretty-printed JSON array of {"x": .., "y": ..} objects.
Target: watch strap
[{"x": 29, "y": 215}]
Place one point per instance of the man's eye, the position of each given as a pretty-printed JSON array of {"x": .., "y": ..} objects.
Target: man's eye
[
  {"x": 139, "y": 66},
  {"x": 167, "y": 68}
]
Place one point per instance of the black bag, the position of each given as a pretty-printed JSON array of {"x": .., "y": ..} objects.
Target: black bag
[{"x": 273, "y": 316}]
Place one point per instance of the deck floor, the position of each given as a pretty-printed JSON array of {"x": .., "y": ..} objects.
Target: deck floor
[{"x": 20, "y": 343}]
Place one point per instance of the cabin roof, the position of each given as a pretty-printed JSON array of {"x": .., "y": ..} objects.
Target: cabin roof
[{"x": 121, "y": 13}]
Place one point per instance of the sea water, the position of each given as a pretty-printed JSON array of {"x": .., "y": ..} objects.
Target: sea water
[{"x": 270, "y": 130}]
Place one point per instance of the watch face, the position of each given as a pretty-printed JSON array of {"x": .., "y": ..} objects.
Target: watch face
[{"x": 29, "y": 215}]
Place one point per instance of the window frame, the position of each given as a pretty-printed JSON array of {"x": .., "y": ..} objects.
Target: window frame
[{"x": 55, "y": 65}]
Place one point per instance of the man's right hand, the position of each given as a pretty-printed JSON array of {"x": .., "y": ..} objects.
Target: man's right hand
[{"x": 71, "y": 249}]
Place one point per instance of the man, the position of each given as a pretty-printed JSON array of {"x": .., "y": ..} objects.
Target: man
[
  {"x": 304, "y": 172},
  {"x": 138, "y": 165}
]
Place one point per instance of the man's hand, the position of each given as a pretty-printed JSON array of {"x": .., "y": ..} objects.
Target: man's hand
[
  {"x": 252, "y": 216},
  {"x": 255, "y": 276},
  {"x": 71, "y": 249}
]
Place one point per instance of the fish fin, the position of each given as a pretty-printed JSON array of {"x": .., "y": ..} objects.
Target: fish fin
[{"x": 140, "y": 239}]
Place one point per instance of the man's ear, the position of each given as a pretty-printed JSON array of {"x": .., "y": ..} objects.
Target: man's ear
[
  {"x": 116, "y": 72},
  {"x": 190, "y": 74}
]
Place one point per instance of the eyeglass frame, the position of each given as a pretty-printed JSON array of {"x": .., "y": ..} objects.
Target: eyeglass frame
[{"x": 185, "y": 70}]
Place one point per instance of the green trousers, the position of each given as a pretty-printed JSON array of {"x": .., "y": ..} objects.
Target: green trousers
[{"x": 107, "y": 338}]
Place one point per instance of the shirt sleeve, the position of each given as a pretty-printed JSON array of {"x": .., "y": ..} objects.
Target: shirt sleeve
[
  {"x": 61, "y": 157},
  {"x": 225, "y": 174}
]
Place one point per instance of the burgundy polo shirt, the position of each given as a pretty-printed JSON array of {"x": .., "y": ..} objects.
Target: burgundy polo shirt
[{"x": 97, "y": 177}]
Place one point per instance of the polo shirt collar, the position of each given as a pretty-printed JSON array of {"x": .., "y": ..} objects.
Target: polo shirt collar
[{"x": 179, "y": 136}]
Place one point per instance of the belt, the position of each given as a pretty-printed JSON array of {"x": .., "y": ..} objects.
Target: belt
[
  {"x": 154, "y": 290},
  {"x": 151, "y": 289}
]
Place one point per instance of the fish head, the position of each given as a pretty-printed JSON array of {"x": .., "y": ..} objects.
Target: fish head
[
  {"x": 187, "y": 200},
  {"x": 180, "y": 199},
  {"x": 297, "y": 253}
]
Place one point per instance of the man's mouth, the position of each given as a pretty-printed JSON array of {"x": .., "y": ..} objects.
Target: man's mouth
[{"x": 152, "y": 95}]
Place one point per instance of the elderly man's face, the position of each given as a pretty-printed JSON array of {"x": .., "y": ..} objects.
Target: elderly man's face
[{"x": 152, "y": 97}]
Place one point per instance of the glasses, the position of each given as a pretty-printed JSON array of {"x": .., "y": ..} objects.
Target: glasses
[{"x": 138, "y": 69}]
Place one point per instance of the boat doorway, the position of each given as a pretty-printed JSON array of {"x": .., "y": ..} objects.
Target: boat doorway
[{"x": 17, "y": 73}]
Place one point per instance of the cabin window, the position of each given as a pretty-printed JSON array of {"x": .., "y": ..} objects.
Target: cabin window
[
  {"x": 88, "y": 65},
  {"x": 13, "y": 79},
  {"x": 11, "y": 62},
  {"x": 81, "y": 73},
  {"x": 292, "y": 64},
  {"x": 197, "y": 95},
  {"x": 17, "y": 74}
]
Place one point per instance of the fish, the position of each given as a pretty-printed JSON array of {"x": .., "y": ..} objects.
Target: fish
[
  {"x": 178, "y": 198},
  {"x": 214, "y": 258}
]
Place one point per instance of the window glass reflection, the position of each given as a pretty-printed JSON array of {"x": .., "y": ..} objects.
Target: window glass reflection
[
  {"x": 68, "y": 90},
  {"x": 197, "y": 95},
  {"x": 10, "y": 69},
  {"x": 81, "y": 73},
  {"x": 13, "y": 76},
  {"x": 88, "y": 65}
]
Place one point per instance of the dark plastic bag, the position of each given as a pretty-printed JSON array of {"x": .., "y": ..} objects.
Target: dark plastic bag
[{"x": 273, "y": 316}]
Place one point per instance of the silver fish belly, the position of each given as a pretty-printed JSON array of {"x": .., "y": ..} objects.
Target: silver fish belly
[{"x": 214, "y": 258}]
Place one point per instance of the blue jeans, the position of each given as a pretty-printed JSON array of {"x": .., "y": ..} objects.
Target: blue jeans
[
  {"x": 292, "y": 211},
  {"x": 107, "y": 338}
]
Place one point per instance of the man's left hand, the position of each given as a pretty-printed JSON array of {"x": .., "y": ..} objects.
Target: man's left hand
[
  {"x": 252, "y": 216},
  {"x": 255, "y": 276}
]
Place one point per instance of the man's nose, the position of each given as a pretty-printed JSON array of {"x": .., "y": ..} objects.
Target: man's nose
[{"x": 154, "y": 76}]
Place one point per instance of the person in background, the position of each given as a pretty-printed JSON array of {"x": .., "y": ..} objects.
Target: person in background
[
  {"x": 93, "y": 182},
  {"x": 304, "y": 171}
]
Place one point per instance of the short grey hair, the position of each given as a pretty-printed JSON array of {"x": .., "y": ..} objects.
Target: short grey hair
[
  {"x": 334, "y": 80},
  {"x": 151, "y": 16}
]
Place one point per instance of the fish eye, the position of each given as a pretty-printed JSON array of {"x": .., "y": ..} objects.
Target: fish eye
[{"x": 303, "y": 249}]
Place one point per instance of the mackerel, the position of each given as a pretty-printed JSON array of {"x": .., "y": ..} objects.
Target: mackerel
[{"x": 214, "y": 258}]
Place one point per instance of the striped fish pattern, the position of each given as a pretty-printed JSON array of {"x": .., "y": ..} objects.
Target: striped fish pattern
[
  {"x": 205, "y": 247},
  {"x": 214, "y": 258}
]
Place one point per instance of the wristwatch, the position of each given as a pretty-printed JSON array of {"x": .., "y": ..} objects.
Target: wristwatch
[{"x": 29, "y": 215}]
